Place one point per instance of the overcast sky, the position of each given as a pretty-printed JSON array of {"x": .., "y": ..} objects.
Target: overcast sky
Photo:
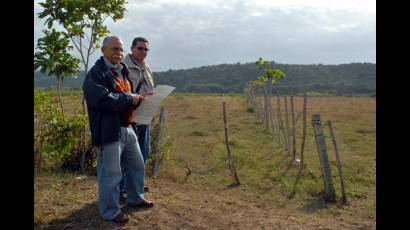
[{"x": 193, "y": 33}]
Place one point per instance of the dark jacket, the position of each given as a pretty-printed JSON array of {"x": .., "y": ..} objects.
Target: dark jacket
[{"x": 104, "y": 104}]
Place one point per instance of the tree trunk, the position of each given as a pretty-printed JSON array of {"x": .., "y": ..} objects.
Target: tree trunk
[
  {"x": 84, "y": 130},
  {"x": 271, "y": 113},
  {"x": 59, "y": 79}
]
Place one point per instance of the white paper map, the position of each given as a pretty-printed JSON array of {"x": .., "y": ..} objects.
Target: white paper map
[{"x": 145, "y": 112}]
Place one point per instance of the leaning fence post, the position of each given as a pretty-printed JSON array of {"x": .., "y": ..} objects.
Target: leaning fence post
[
  {"x": 339, "y": 165},
  {"x": 230, "y": 158},
  {"x": 330, "y": 195}
]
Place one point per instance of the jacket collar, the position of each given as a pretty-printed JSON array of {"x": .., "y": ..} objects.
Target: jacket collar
[
  {"x": 132, "y": 63},
  {"x": 101, "y": 62},
  {"x": 107, "y": 70},
  {"x": 111, "y": 65}
]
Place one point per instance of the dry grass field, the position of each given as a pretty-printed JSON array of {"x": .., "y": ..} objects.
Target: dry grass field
[{"x": 204, "y": 199}]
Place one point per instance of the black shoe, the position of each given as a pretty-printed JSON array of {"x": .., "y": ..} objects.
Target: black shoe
[
  {"x": 123, "y": 196},
  {"x": 144, "y": 204},
  {"x": 121, "y": 218}
]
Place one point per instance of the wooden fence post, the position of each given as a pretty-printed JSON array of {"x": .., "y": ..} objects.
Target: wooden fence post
[
  {"x": 330, "y": 195},
  {"x": 258, "y": 103},
  {"x": 302, "y": 148},
  {"x": 281, "y": 128},
  {"x": 339, "y": 165},
  {"x": 252, "y": 97},
  {"x": 234, "y": 175},
  {"x": 266, "y": 107},
  {"x": 287, "y": 124},
  {"x": 159, "y": 141},
  {"x": 292, "y": 110}
]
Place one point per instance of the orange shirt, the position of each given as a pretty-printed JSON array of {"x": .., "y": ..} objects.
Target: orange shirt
[{"x": 124, "y": 86}]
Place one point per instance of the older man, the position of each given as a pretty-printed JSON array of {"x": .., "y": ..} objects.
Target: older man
[
  {"x": 111, "y": 103},
  {"x": 142, "y": 80}
]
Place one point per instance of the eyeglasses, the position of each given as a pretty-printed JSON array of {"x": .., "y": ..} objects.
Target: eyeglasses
[{"x": 142, "y": 48}]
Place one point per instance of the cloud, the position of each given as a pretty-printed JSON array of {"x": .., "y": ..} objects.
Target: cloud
[{"x": 186, "y": 34}]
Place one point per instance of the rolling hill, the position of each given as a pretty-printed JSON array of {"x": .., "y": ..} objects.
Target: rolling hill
[{"x": 353, "y": 78}]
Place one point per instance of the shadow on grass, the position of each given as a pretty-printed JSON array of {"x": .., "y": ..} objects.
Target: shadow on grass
[
  {"x": 231, "y": 186},
  {"x": 314, "y": 205},
  {"x": 282, "y": 160},
  {"x": 87, "y": 217},
  {"x": 293, "y": 192}
]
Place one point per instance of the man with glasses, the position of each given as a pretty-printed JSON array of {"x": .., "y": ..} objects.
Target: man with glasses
[
  {"x": 111, "y": 102},
  {"x": 143, "y": 82}
]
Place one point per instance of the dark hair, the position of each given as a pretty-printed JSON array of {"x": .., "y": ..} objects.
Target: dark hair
[{"x": 138, "y": 39}]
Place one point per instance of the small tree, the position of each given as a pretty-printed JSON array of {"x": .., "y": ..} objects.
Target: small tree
[
  {"x": 270, "y": 74},
  {"x": 83, "y": 21},
  {"x": 52, "y": 56}
]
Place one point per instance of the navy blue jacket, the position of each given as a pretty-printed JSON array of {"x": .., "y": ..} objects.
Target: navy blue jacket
[{"x": 104, "y": 104}]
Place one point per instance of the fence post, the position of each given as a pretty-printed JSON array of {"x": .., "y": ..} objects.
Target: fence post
[
  {"x": 292, "y": 109},
  {"x": 287, "y": 125},
  {"x": 281, "y": 127},
  {"x": 159, "y": 141},
  {"x": 266, "y": 109},
  {"x": 230, "y": 158},
  {"x": 302, "y": 148},
  {"x": 339, "y": 165},
  {"x": 258, "y": 103},
  {"x": 330, "y": 195}
]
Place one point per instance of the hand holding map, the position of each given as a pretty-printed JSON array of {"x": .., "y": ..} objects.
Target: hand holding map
[{"x": 145, "y": 112}]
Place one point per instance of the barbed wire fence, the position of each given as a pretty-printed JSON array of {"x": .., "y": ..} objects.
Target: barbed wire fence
[{"x": 276, "y": 118}]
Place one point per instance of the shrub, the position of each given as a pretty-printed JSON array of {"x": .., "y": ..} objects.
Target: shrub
[{"x": 56, "y": 140}]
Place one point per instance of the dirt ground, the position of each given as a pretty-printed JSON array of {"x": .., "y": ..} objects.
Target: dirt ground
[{"x": 70, "y": 203}]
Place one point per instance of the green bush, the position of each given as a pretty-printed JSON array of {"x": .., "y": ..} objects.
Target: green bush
[{"x": 57, "y": 141}]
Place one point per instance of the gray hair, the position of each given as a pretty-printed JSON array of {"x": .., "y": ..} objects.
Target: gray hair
[{"x": 109, "y": 38}]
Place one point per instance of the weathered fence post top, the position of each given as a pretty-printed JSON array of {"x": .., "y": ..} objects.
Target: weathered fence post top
[{"x": 316, "y": 119}]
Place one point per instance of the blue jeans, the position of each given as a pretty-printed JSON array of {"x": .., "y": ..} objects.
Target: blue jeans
[
  {"x": 114, "y": 159},
  {"x": 144, "y": 143}
]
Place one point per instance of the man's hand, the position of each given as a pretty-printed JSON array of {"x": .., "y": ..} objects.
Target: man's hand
[
  {"x": 149, "y": 93},
  {"x": 135, "y": 98}
]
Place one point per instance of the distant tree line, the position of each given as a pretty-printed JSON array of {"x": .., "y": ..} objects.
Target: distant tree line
[{"x": 353, "y": 78}]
